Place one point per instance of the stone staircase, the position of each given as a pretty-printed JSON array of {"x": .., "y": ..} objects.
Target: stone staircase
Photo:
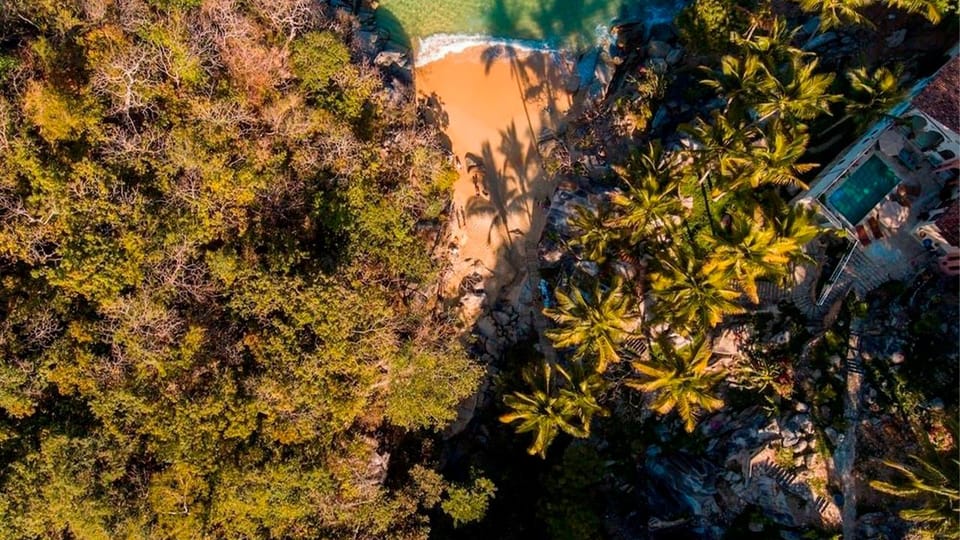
[
  {"x": 787, "y": 480},
  {"x": 637, "y": 348},
  {"x": 864, "y": 274}
]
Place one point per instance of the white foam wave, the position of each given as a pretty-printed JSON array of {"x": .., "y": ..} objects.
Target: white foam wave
[{"x": 437, "y": 46}]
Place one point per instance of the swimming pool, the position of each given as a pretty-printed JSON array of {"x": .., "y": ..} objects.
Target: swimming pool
[{"x": 863, "y": 189}]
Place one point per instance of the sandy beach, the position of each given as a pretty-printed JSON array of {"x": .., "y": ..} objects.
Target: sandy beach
[{"x": 493, "y": 103}]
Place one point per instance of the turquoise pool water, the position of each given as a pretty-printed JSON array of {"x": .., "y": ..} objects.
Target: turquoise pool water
[
  {"x": 862, "y": 190},
  {"x": 569, "y": 23}
]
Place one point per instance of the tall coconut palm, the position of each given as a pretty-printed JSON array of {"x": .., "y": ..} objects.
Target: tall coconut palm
[
  {"x": 794, "y": 91},
  {"x": 738, "y": 80},
  {"x": 751, "y": 252},
  {"x": 581, "y": 390},
  {"x": 593, "y": 324},
  {"x": 773, "y": 159},
  {"x": 680, "y": 380},
  {"x": 835, "y": 13},
  {"x": 873, "y": 94},
  {"x": 691, "y": 296},
  {"x": 936, "y": 488},
  {"x": 932, "y": 10},
  {"x": 593, "y": 236},
  {"x": 774, "y": 43},
  {"x": 545, "y": 411},
  {"x": 719, "y": 154},
  {"x": 797, "y": 223},
  {"x": 651, "y": 198}
]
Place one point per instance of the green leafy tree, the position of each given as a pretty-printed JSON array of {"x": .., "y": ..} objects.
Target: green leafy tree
[
  {"x": 466, "y": 505},
  {"x": 680, "y": 380},
  {"x": 427, "y": 385}
]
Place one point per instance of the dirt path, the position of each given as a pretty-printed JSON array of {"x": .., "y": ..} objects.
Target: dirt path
[{"x": 846, "y": 455}]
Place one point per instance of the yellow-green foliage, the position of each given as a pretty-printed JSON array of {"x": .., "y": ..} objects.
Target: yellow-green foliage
[
  {"x": 58, "y": 116},
  {"x": 425, "y": 386},
  {"x": 468, "y": 504},
  {"x": 705, "y": 25},
  {"x": 206, "y": 249}
]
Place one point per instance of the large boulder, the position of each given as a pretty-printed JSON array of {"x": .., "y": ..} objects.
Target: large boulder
[
  {"x": 663, "y": 32},
  {"x": 391, "y": 58},
  {"x": 658, "y": 49}
]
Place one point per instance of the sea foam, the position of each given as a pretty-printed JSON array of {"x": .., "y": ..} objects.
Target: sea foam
[{"x": 437, "y": 46}]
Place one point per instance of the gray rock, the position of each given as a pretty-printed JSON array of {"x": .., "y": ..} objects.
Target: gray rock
[
  {"x": 502, "y": 318},
  {"x": 821, "y": 40},
  {"x": 801, "y": 447},
  {"x": 832, "y": 435},
  {"x": 658, "y": 49},
  {"x": 897, "y": 358},
  {"x": 801, "y": 407},
  {"x": 659, "y": 118},
  {"x": 662, "y": 32},
  {"x": 935, "y": 404},
  {"x": 390, "y": 58},
  {"x": 790, "y": 439},
  {"x": 896, "y": 39},
  {"x": 810, "y": 27},
  {"x": 781, "y": 339},
  {"x": 368, "y": 41},
  {"x": 674, "y": 56}
]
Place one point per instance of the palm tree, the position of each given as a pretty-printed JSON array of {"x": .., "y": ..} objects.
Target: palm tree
[
  {"x": 797, "y": 223},
  {"x": 932, "y": 10},
  {"x": 691, "y": 294},
  {"x": 581, "y": 391},
  {"x": 680, "y": 380},
  {"x": 774, "y": 44},
  {"x": 594, "y": 237},
  {"x": 750, "y": 252},
  {"x": 773, "y": 159},
  {"x": 738, "y": 80},
  {"x": 936, "y": 487},
  {"x": 873, "y": 94},
  {"x": 719, "y": 155},
  {"x": 593, "y": 324},
  {"x": 835, "y": 13},
  {"x": 549, "y": 410},
  {"x": 650, "y": 199},
  {"x": 793, "y": 91}
]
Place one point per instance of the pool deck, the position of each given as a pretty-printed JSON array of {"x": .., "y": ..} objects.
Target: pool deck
[{"x": 894, "y": 254}]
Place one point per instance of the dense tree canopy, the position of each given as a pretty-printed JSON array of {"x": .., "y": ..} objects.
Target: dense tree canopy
[{"x": 211, "y": 285}]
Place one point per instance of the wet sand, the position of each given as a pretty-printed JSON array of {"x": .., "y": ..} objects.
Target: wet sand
[{"x": 494, "y": 103}]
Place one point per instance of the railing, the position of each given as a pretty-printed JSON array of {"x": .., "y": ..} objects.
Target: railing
[{"x": 828, "y": 287}]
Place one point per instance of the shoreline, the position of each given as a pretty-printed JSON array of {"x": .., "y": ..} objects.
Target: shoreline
[{"x": 436, "y": 47}]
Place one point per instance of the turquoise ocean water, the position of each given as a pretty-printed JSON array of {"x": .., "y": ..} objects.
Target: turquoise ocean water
[{"x": 558, "y": 23}]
